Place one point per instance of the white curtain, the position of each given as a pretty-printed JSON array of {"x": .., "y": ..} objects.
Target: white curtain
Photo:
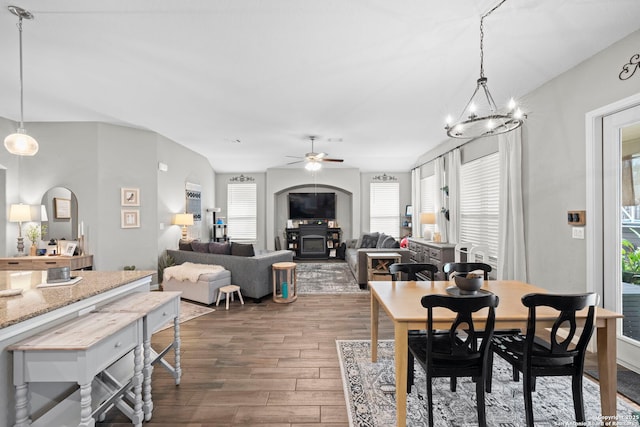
[
  {"x": 512, "y": 264},
  {"x": 453, "y": 169},
  {"x": 416, "y": 229},
  {"x": 440, "y": 201}
]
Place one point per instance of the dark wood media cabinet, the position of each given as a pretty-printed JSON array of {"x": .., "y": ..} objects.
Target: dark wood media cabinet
[{"x": 313, "y": 234}]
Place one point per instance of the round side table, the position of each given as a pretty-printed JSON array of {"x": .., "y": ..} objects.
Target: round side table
[{"x": 285, "y": 287}]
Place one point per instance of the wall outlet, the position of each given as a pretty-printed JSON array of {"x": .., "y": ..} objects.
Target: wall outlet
[{"x": 577, "y": 232}]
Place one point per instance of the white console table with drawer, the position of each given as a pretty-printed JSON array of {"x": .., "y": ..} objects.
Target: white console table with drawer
[{"x": 76, "y": 352}]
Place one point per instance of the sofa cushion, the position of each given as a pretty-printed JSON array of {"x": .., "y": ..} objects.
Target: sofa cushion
[
  {"x": 240, "y": 249},
  {"x": 200, "y": 247},
  {"x": 184, "y": 245},
  {"x": 219, "y": 248},
  {"x": 381, "y": 238},
  {"x": 369, "y": 240}
]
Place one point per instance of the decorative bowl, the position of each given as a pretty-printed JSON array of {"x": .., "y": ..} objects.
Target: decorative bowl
[{"x": 468, "y": 286}]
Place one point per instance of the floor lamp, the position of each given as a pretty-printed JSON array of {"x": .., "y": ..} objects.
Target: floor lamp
[{"x": 20, "y": 213}]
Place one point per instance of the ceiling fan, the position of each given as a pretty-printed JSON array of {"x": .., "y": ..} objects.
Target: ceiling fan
[{"x": 314, "y": 159}]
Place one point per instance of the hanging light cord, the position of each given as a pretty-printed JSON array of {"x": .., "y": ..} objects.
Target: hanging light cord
[
  {"x": 482, "y": 36},
  {"x": 19, "y": 24}
]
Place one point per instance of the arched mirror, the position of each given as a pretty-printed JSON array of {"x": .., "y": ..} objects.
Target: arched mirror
[{"x": 60, "y": 214}]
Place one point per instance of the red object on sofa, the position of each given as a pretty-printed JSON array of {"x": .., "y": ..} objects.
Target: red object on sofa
[{"x": 404, "y": 242}]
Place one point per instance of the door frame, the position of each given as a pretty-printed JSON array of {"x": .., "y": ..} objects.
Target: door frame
[{"x": 594, "y": 227}]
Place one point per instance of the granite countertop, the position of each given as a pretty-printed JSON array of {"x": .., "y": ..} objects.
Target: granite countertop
[{"x": 34, "y": 301}]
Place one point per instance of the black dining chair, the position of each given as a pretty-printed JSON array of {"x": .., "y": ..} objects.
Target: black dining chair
[
  {"x": 466, "y": 267},
  {"x": 411, "y": 269},
  {"x": 462, "y": 352},
  {"x": 556, "y": 351}
]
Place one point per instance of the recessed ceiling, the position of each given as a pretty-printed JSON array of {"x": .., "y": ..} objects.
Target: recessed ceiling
[{"x": 379, "y": 75}]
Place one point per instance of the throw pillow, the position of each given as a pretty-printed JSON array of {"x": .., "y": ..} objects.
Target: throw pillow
[
  {"x": 369, "y": 240},
  {"x": 200, "y": 247},
  {"x": 184, "y": 245},
  {"x": 380, "y": 240},
  {"x": 390, "y": 242},
  {"x": 240, "y": 249},
  {"x": 219, "y": 248}
]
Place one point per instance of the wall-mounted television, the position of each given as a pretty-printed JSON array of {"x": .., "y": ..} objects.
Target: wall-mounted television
[{"x": 312, "y": 206}]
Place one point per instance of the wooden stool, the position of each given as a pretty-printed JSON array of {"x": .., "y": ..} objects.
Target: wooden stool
[
  {"x": 285, "y": 287},
  {"x": 228, "y": 291}
]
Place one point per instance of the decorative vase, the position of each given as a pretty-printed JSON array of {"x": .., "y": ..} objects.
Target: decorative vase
[{"x": 33, "y": 250}]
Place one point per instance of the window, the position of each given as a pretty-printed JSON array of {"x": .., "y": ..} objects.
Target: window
[
  {"x": 479, "y": 203},
  {"x": 384, "y": 203},
  {"x": 242, "y": 212},
  {"x": 427, "y": 200}
]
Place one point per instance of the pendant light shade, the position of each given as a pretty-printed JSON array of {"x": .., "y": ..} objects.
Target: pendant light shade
[
  {"x": 481, "y": 116},
  {"x": 20, "y": 143}
]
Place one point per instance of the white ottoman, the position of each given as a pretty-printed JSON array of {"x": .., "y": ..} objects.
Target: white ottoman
[{"x": 204, "y": 290}]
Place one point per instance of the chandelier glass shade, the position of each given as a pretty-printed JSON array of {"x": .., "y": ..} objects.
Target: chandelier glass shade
[
  {"x": 481, "y": 117},
  {"x": 20, "y": 143}
]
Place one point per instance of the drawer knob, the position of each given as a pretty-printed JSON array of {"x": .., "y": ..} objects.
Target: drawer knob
[{"x": 118, "y": 344}]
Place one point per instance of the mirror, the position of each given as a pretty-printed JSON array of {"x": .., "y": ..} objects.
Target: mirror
[{"x": 61, "y": 207}]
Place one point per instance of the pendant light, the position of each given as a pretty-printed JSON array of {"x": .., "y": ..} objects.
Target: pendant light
[
  {"x": 480, "y": 116},
  {"x": 20, "y": 143}
]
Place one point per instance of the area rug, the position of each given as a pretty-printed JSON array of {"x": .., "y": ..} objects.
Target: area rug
[
  {"x": 326, "y": 278},
  {"x": 370, "y": 395},
  {"x": 189, "y": 311}
]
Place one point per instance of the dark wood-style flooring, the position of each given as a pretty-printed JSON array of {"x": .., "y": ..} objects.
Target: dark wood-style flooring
[
  {"x": 266, "y": 365},
  {"x": 263, "y": 365}
]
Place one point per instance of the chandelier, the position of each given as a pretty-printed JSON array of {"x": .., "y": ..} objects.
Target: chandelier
[
  {"x": 20, "y": 143},
  {"x": 481, "y": 116}
]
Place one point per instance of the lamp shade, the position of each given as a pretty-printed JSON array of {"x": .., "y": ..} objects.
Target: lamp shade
[
  {"x": 20, "y": 213},
  {"x": 183, "y": 219},
  {"x": 427, "y": 218}
]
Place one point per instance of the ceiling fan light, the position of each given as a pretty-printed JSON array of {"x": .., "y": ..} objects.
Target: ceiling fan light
[
  {"x": 312, "y": 166},
  {"x": 21, "y": 144}
]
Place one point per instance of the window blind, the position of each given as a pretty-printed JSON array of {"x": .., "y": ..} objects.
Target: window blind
[
  {"x": 479, "y": 203},
  {"x": 242, "y": 212},
  {"x": 384, "y": 202},
  {"x": 427, "y": 200}
]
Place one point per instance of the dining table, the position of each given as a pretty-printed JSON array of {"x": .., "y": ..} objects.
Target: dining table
[{"x": 401, "y": 301}]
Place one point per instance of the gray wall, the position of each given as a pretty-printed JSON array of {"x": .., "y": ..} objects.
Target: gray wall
[
  {"x": 554, "y": 161},
  {"x": 94, "y": 161}
]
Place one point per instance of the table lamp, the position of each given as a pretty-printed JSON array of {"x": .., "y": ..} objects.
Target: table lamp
[
  {"x": 183, "y": 219},
  {"x": 427, "y": 218},
  {"x": 20, "y": 213}
]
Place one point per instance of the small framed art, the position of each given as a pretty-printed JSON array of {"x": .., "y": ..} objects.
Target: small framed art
[
  {"x": 130, "y": 196},
  {"x": 62, "y": 208},
  {"x": 408, "y": 210},
  {"x": 69, "y": 248},
  {"x": 130, "y": 218}
]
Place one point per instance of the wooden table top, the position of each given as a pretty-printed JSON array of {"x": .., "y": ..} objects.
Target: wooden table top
[{"x": 401, "y": 300}]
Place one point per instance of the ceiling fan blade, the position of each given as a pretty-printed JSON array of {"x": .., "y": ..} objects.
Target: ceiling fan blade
[
  {"x": 297, "y": 161},
  {"x": 295, "y": 157},
  {"x": 332, "y": 160}
]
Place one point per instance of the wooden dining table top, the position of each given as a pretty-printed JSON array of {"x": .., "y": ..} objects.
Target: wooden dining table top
[{"x": 401, "y": 300}]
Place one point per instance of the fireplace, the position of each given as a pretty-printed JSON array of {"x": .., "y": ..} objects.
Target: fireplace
[{"x": 313, "y": 241}]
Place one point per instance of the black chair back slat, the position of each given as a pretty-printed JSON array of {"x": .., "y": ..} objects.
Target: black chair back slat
[
  {"x": 466, "y": 267},
  {"x": 412, "y": 269}
]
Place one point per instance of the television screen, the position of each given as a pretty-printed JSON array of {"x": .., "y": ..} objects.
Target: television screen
[{"x": 312, "y": 206}]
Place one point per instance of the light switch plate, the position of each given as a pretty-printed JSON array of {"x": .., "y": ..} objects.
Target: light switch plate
[{"x": 577, "y": 232}]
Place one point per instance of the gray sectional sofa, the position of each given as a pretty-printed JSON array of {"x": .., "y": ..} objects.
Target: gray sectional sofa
[
  {"x": 357, "y": 250},
  {"x": 251, "y": 273}
]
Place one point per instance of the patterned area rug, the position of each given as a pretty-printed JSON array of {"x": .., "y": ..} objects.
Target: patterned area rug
[
  {"x": 326, "y": 278},
  {"x": 189, "y": 311},
  {"x": 370, "y": 394}
]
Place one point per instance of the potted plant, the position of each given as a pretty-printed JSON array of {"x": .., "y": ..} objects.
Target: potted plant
[
  {"x": 630, "y": 263},
  {"x": 34, "y": 232}
]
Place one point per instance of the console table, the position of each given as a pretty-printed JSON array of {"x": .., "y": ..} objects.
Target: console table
[
  {"x": 332, "y": 241},
  {"x": 428, "y": 252},
  {"x": 80, "y": 262}
]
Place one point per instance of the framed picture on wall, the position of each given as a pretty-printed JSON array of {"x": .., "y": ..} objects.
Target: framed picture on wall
[
  {"x": 408, "y": 210},
  {"x": 130, "y": 196},
  {"x": 130, "y": 218},
  {"x": 62, "y": 208}
]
